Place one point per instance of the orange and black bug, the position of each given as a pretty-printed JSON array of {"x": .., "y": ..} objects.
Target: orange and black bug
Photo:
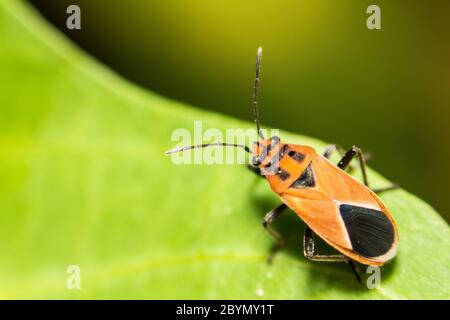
[{"x": 344, "y": 212}]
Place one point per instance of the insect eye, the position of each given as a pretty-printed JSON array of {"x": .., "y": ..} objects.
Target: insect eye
[{"x": 296, "y": 155}]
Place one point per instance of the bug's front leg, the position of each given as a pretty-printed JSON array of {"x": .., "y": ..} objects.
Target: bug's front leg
[
  {"x": 308, "y": 251},
  {"x": 355, "y": 151},
  {"x": 388, "y": 188},
  {"x": 331, "y": 149},
  {"x": 254, "y": 169},
  {"x": 348, "y": 157},
  {"x": 268, "y": 219}
]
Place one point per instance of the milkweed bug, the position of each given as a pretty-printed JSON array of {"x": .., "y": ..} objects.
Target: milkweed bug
[{"x": 341, "y": 210}]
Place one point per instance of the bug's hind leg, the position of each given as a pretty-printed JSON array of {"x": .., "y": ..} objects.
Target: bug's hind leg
[
  {"x": 355, "y": 270},
  {"x": 348, "y": 157},
  {"x": 308, "y": 251},
  {"x": 268, "y": 219}
]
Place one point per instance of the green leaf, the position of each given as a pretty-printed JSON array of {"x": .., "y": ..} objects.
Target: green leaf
[{"x": 84, "y": 181}]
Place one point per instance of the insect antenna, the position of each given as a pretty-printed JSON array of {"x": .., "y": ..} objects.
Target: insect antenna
[
  {"x": 255, "y": 92},
  {"x": 255, "y": 113},
  {"x": 206, "y": 145}
]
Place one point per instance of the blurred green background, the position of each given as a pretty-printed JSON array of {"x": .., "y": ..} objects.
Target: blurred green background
[{"x": 324, "y": 73}]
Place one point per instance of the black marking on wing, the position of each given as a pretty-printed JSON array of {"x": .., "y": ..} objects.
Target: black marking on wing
[
  {"x": 306, "y": 180},
  {"x": 297, "y": 156},
  {"x": 283, "y": 175},
  {"x": 370, "y": 231}
]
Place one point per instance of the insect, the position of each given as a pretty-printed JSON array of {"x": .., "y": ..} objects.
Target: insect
[{"x": 341, "y": 210}]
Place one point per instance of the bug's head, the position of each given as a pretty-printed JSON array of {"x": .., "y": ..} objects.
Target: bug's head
[{"x": 264, "y": 148}]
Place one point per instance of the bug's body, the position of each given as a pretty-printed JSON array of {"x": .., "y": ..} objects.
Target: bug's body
[
  {"x": 344, "y": 212},
  {"x": 340, "y": 209}
]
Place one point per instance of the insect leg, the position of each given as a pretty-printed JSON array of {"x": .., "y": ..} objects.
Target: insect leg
[
  {"x": 388, "y": 188},
  {"x": 308, "y": 251},
  {"x": 355, "y": 270},
  {"x": 270, "y": 216},
  {"x": 254, "y": 169},
  {"x": 331, "y": 149},
  {"x": 349, "y": 155}
]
